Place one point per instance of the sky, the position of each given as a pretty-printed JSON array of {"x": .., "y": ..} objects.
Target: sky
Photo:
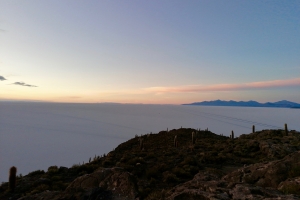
[{"x": 150, "y": 52}]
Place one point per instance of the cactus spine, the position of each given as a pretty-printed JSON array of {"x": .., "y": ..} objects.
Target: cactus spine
[
  {"x": 12, "y": 178},
  {"x": 253, "y": 129},
  {"x": 286, "y": 129}
]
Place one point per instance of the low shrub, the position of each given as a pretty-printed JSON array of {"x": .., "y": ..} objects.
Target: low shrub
[
  {"x": 107, "y": 163},
  {"x": 144, "y": 192},
  {"x": 133, "y": 161},
  {"x": 87, "y": 168},
  {"x": 189, "y": 161},
  {"x": 37, "y": 172},
  {"x": 169, "y": 177},
  {"x": 179, "y": 172},
  {"x": 152, "y": 181},
  {"x": 291, "y": 189},
  {"x": 155, "y": 195},
  {"x": 152, "y": 172},
  {"x": 59, "y": 186},
  {"x": 294, "y": 171},
  {"x": 151, "y": 155},
  {"x": 52, "y": 170},
  {"x": 56, "y": 178}
]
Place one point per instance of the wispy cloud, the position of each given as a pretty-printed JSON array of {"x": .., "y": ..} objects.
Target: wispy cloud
[
  {"x": 226, "y": 87},
  {"x": 23, "y": 84},
  {"x": 2, "y": 78}
]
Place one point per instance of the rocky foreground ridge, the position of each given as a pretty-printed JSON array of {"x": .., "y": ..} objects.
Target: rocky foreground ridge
[{"x": 260, "y": 165}]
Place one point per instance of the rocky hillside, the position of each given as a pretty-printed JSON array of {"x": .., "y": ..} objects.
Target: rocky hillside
[{"x": 260, "y": 165}]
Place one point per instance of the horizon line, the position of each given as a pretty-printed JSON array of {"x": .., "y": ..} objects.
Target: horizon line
[{"x": 64, "y": 102}]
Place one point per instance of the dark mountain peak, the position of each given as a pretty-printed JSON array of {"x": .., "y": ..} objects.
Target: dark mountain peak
[{"x": 251, "y": 103}]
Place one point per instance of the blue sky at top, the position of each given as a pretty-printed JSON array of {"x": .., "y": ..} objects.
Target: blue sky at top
[{"x": 149, "y": 51}]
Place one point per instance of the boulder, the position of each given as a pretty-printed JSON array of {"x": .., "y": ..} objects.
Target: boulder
[
  {"x": 291, "y": 185},
  {"x": 267, "y": 174},
  {"x": 268, "y": 180},
  {"x": 203, "y": 186},
  {"x": 104, "y": 183},
  {"x": 247, "y": 191}
]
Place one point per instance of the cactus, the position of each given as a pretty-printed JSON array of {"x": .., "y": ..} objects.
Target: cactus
[
  {"x": 175, "y": 141},
  {"x": 12, "y": 178},
  {"x": 193, "y": 137},
  {"x": 232, "y": 135},
  {"x": 141, "y": 143},
  {"x": 253, "y": 129},
  {"x": 286, "y": 129}
]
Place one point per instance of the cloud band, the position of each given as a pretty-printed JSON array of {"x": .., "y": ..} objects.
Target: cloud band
[
  {"x": 226, "y": 87},
  {"x": 23, "y": 84},
  {"x": 2, "y": 78}
]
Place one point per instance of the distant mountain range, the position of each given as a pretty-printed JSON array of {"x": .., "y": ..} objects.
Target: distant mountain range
[{"x": 278, "y": 104}]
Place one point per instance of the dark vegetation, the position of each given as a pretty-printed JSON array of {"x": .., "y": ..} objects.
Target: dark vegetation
[
  {"x": 12, "y": 178},
  {"x": 159, "y": 162}
]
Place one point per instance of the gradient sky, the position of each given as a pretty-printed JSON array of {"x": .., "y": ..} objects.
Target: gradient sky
[{"x": 165, "y": 52}]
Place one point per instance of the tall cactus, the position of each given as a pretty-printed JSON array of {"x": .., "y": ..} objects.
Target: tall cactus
[
  {"x": 175, "y": 141},
  {"x": 193, "y": 137},
  {"x": 232, "y": 135},
  {"x": 286, "y": 129},
  {"x": 12, "y": 178},
  {"x": 141, "y": 143},
  {"x": 253, "y": 129}
]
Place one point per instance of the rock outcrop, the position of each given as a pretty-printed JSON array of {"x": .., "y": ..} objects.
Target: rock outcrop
[
  {"x": 268, "y": 174},
  {"x": 201, "y": 188},
  {"x": 104, "y": 183},
  {"x": 269, "y": 180}
]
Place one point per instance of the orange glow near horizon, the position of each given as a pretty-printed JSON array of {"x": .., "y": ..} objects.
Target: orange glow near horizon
[{"x": 150, "y": 95}]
